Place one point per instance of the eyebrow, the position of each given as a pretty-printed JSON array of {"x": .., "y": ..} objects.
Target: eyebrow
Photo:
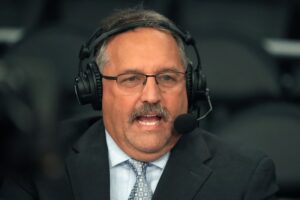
[
  {"x": 128, "y": 71},
  {"x": 169, "y": 69},
  {"x": 163, "y": 69}
]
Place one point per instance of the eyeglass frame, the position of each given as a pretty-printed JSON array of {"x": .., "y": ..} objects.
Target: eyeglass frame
[{"x": 144, "y": 75}]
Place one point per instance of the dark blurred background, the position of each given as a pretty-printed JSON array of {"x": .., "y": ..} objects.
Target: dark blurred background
[{"x": 250, "y": 51}]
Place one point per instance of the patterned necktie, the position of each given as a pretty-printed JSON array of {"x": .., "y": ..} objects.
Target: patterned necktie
[{"x": 141, "y": 189}]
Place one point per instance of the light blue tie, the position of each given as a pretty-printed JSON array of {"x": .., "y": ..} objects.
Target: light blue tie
[{"x": 141, "y": 189}]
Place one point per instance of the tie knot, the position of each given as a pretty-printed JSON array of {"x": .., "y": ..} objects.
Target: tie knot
[{"x": 138, "y": 167}]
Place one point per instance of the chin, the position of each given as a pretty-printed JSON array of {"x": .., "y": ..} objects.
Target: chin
[{"x": 153, "y": 143}]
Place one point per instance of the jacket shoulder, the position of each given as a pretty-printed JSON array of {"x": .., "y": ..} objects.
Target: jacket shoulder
[
  {"x": 223, "y": 148},
  {"x": 70, "y": 130}
]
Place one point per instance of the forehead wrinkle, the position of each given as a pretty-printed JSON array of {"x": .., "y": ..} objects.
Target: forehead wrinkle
[{"x": 158, "y": 70}]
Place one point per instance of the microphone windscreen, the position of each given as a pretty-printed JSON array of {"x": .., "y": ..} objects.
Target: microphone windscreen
[{"x": 185, "y": 123}]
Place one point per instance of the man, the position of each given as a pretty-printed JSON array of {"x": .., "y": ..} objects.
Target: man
[{"x": 142, "y": 77}]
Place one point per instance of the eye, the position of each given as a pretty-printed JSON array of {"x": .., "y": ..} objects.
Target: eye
[
  {"x": 167, "y": 77},
  {"x": 130, "y": 80}
]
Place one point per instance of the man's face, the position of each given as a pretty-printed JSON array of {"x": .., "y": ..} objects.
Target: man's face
[{"x": 143, "y": 135}]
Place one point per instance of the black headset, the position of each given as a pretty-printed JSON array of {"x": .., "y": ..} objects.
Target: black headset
[{"x": 88, "y": 83}]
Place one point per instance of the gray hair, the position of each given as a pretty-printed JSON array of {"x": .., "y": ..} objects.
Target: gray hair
[{"x": 151, "y": 18}]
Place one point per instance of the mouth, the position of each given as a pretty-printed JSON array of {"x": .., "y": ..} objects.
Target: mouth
[
  {"x": 149, "y": 119},
  {"x": 149, "y": 116}
]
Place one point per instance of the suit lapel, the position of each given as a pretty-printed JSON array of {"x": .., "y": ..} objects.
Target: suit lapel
[
  {"x": 88, "y": 169},
  {"x": 185, "y": 172}
]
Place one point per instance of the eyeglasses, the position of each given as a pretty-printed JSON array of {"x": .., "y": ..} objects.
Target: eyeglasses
[{"x": 135, "y": 82}]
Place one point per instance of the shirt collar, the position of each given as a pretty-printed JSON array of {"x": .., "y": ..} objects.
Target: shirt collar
[
  {"x": 118, "y": 156},
  {"x": 162, "y": 161}
]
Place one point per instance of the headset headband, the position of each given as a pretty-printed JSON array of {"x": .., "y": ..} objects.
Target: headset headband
[{"x": 91, "y": 46}]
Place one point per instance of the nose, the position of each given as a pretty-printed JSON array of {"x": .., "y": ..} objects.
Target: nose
[{"x": 151, "y": 92}]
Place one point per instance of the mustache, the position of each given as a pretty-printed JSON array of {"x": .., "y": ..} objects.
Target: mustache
[{"x": 148, "y": 108}]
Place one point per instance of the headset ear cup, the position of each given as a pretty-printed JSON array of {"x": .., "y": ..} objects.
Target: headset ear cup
[
  {"x": 81, "y": 88},
  {"x": 202, "y": 85},
  {"x": 88, "y": 86},
  {"x": 196, "y": 86},
  {"x": 189, "y": 85},
  {"x": 96, "y": 81}
]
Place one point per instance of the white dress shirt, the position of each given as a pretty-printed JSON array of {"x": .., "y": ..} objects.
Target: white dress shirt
[{"x": 122, "y": 177}]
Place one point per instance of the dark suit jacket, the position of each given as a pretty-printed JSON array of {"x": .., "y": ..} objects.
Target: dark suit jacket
[{"x": 200, "y": 167}]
